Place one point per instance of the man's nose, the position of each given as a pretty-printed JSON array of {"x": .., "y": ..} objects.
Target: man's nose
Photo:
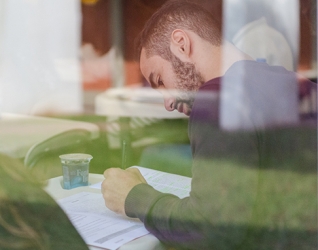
[{"x": 169, "y": 103}]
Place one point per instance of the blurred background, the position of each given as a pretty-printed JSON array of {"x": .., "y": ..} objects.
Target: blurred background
[
  {"x": 72, "y": 58},
  {"x": 56, "y": 57},
  {"x": 69, "y": 82}
]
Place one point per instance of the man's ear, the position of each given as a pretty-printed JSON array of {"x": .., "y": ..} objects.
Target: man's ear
[{"x": 180, "y": 44}]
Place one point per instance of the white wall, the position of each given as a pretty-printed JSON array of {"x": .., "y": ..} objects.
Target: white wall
[
  {"x": 39, "y": 56},
  {"x": 275, "y": 23},
  {"x": 282, "y": 15}
]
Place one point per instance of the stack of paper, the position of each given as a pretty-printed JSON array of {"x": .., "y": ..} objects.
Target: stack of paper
[{"x": 101, "y": 227}]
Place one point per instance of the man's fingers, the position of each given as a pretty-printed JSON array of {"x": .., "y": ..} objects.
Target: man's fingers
[
  {"x": 117, "y": 172},
  {"x": 136, "y": 172},
  {"x": 112, "y": 172},
  {"x": 133, "y": 170}
]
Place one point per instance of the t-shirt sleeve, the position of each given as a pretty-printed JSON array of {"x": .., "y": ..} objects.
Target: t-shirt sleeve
[{"x": 174, "y": 221}]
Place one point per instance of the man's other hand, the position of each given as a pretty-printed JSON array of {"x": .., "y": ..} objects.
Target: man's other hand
[{"x": 117, "y": 185}]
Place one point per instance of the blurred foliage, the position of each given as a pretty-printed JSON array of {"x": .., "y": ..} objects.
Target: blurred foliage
[{"x": 29, "y": 218}]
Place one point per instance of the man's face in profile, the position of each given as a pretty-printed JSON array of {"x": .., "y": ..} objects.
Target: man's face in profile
[{"x": 178, "y": 81}]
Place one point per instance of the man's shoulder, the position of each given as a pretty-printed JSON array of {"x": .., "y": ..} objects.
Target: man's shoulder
[
  {"x": 211, "y": 85},
  {"x": 247, "y": 69},
  {"x": 255, "y": 68}
]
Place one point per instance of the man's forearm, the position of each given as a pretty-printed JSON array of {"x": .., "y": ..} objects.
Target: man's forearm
[{"x": 174, "y": 221}]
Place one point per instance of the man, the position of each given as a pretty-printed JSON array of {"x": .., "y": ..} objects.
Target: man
[{"x": 182, "y": 55}]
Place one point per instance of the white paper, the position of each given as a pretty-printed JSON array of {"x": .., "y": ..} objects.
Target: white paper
[
  {"x": 97, "y": 185},
  {"x": 98, "y": 225},
  {"x": 164, "y": 182}
]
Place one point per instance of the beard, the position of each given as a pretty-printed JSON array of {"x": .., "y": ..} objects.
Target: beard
[{"x": 188, "y": 80}]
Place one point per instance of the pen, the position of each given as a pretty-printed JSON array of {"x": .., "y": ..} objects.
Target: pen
[{"x": 123, "y": 157}]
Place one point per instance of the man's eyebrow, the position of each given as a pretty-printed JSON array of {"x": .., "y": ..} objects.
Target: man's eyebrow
[{"x": 152, "y": 82}]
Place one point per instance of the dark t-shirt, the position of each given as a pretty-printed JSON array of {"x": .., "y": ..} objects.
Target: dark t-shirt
[{"x": 204, "y": 220}]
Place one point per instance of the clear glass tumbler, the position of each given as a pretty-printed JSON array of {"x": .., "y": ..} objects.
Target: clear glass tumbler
[{"x": 75, "y": 169}]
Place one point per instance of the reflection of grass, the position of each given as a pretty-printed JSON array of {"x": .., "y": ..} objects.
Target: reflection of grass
[
  {"x": 275, "y": 202},
  {"x": 279, "y": 206},
  {"x": 268, "y": 206},
  {"x": 273, "y": 206}
]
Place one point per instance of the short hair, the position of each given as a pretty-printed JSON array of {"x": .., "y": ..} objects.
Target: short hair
[{"x": 176, "y": 14}]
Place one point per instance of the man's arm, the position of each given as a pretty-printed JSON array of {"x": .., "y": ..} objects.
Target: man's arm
[
  {"x": 195, "y": 222},
  {"x": 172, "y": 220}
]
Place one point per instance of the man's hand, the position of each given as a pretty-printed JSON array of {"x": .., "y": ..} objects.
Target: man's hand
[{"x": 117, "y": 185}]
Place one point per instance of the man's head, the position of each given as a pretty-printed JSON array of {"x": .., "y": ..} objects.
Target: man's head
[
  {"x": 176, "y": 14},
  {"x": 163, "y": 68}
]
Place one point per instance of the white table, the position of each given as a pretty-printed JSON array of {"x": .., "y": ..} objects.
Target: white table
[
  {"x": 54, "y": 188},
  {"x": 135, "y": 105},
  {"x": 19, "y": 133},
  {"x": 133, "y": 101}
]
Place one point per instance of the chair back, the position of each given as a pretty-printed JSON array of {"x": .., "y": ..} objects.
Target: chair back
[{"x": 44, "y": 156}]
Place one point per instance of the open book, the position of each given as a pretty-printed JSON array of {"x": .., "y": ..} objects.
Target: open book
[{"x": 101, "y": 227}]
